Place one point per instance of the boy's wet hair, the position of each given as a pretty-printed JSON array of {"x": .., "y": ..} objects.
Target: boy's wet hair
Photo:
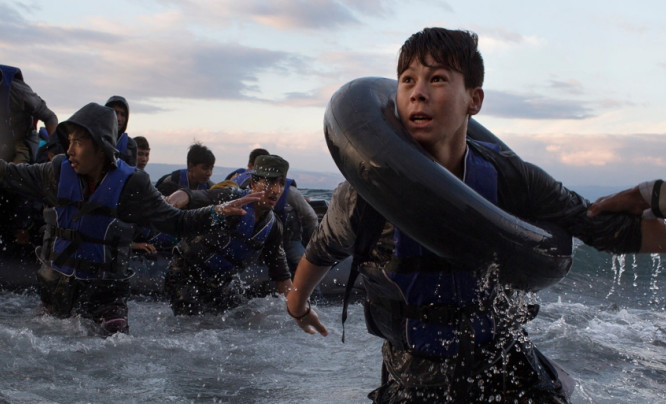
[
  {"x": 141, "y": 142},
  {"x": 454, "y": 49},
  {"x": 200, "y": 154},
  {"x": 256, "y": 153}
]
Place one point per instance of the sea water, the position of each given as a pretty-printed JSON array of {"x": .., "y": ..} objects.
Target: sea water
[{"x": 605, "y": 323}]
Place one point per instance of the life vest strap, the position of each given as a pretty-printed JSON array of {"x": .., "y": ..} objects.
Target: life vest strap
[
  {"x": 84, "y": 265},
  {"x": 76, "y": 237},
  {"x": 444, "y": 314},
  {"x": 88, "y": 208}
]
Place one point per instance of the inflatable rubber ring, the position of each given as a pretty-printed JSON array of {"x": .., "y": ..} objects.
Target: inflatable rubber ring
[{"x": 377, "y": 156}]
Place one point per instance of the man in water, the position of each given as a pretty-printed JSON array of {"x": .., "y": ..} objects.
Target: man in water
[
  {"x": 442, "y": 342},
  {"x": 298, "y": 218},
  {"x": 97, "y": 201},
  {"x": 201, "y": 278}
]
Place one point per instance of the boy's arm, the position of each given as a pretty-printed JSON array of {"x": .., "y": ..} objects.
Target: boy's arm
[
  {"x": 647, "y": 199},
  {"x": 38, "y": 181}
]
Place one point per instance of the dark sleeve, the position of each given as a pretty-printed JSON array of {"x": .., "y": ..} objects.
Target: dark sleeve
[
  {"x": 333, "y": 240},
  {"x": 33, "y": 103},
  {"x": 274, "y": 256},
  {"x": 306, "y": 215},
  {"x": 166, "y": 186},
  {"x": 535, "y": 196},
  {"x": 141, "y": 203},
  {"x": 39, "y": 181},
  {"x": 130, "y": 153},
  {"x": 207, "y": 197}
]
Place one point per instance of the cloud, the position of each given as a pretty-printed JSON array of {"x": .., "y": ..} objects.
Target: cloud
[
  {"x": 501, "y": 39},
  {"x": 528, "y": 106},
  {"x": 570, "y": 86},
  {"x": 279, "y": 14},
  {"x": 135, "y": 61},
  {"x": 594, "y": 159}
]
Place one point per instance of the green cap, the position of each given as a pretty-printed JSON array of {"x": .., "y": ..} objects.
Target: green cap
[{"x": 271, "y": 166}]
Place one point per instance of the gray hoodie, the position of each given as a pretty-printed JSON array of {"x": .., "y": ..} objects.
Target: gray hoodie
[{"x": 100, "y": 122}]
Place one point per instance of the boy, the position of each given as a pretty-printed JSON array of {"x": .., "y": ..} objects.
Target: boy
[{"x": 469, "y": 353}]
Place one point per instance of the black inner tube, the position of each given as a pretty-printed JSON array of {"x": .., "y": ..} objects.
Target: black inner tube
[{"x": 402, "y": 182}]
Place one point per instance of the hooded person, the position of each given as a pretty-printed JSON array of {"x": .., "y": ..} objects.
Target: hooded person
[
  {"x": 202, "y": 277},
  {"x": 95, "y": 202},
  {"x": 125, "y": 145},
  {"x": 20, "y": 107}
]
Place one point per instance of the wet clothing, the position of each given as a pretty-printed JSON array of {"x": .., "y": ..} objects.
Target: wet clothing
[
  {"x": 299, "y": 220},
  {"x": 127, "y": 149},
  {"x": 125, "y": 145},
  {"x": 171, "y": 183},
  {"x": 199, "y": 282},
  {"x": 297, "y": 216},
  {"x": 463, "y": 333},
  {"x": 84, "y": 238},
  {"x": 19, "y": 108},
  {"x": 100, "y": 300}
]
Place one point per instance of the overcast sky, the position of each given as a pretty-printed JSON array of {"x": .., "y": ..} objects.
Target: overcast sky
[{"x": 577, "y": 87}]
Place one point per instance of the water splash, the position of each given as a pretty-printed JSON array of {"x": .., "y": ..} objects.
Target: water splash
[{"x": 656, "y": 270}]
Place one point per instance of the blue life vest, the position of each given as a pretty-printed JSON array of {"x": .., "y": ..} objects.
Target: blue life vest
[
  {"x": 185, "y": 183},
  {"x": 243, "y": 179},
  {"x": 90, "y": 242},
  {"x": 122, "y": 143},
  {"x": 243, "y": 243},
  {"x": 282, "y": 202},
  {"x": 420, "y": 302},
  {"x": 235, "y": 172}
]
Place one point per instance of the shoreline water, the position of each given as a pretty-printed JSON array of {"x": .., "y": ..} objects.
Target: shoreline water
[{"x": 605, "y": 323}]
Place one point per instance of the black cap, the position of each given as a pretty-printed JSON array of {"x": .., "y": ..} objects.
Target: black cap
[{"x": 271, "y": 166}]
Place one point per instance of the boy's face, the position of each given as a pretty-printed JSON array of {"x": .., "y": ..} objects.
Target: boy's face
[
  {"x": 142, "y": 157},
  {"x": 272, "y": 187},
  {"x": 434, "y": 104},
  {"x": 199, "y": 174},
  {"x": 121, "y": 114},
  {"x": 85, "y": 158}
]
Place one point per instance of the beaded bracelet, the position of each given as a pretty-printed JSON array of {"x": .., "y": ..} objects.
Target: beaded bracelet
[
  {"x": 216, "y": 218},
  {"x": 301, "y": 317}
]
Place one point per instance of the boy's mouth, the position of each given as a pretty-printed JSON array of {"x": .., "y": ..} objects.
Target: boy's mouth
[{"x": 420, "y": 118}]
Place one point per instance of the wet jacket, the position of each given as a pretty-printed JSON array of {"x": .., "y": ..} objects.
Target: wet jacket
[
  {"x": 232, "y": 241},
  {"x": 19, "y": 107},
  {"x": 245, "y": 240},
  {"x": 521, "y": 189},
  {"x": 420, "y": 299}
]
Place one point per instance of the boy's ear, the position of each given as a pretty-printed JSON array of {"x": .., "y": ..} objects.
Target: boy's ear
[{"x": 476, "y": 101}]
